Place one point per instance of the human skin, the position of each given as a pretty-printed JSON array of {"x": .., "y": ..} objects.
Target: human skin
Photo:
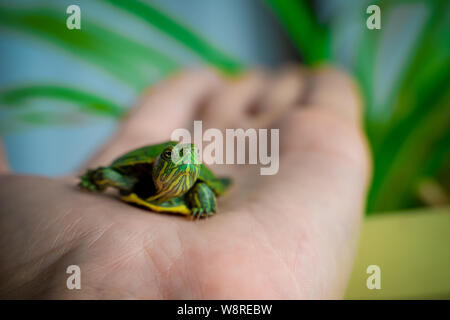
[{"x": 292, "y": 235}]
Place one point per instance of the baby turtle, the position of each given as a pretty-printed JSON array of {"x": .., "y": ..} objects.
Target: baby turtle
[{"x": 166, "y": 177}]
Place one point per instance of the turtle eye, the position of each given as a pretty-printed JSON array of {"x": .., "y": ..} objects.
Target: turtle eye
[{"x": 167, "y": 154}]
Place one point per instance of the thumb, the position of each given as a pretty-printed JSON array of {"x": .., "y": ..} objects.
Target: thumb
[{"x": 318, "y": 196}]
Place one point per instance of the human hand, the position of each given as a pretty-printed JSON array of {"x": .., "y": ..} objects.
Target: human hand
[{"x": 290, "y": 236}]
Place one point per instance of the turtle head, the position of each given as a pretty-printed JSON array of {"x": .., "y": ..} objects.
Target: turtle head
[{"x": 176, "y": 169}]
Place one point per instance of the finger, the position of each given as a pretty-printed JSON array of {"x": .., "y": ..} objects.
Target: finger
[
  {"x": 165, "y": 107},
  {"x": 255, "y": 100},
  {"x": 286, "y": 88},
  {"x": 335, "y": 91},
  {"x": 322, "y": 147},
  {"x": 4, "y": 166},
  {"x": 230, "y": 108},
  {"x": 317, "y": 198}
]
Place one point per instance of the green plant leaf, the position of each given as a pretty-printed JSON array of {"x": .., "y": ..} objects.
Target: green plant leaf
[
  {"x": 310, "y": 38},
  {"x": 44, "y": 118},
  {"x": 179, "y": 32},
  {"x": 115, "y": 54},
  {"x": 420, "y": 118},
  {"x": 85, "y": 101},
  {"x": 409, "y": 145}
]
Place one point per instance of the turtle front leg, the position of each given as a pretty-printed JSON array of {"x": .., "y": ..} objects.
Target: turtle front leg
[
  {"x": 103, "y": 177},
  {"x": 201, "y": 200}
]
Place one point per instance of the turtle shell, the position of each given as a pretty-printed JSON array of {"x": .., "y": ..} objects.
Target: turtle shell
[
  {"x": 147, "y": 155},
  {"x": 143, "y": 155}
]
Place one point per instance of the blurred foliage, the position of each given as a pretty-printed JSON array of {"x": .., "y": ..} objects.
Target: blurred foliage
[
  {"x": 86, "y": 102},
  {"x": 180, "y": 33},
  {"x": 410, "y": 141}
]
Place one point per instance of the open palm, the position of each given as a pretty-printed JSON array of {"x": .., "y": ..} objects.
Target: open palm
[{"x": 290, "y": 235}]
